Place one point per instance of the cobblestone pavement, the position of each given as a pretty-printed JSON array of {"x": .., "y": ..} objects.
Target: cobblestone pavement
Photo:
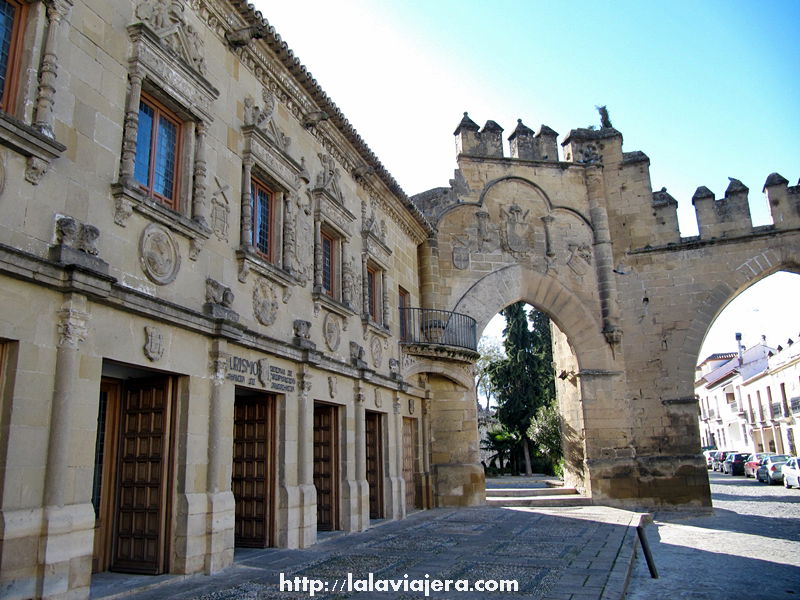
[
  {"x": 748, "y": 550},
  {"x": 580, "y": 553}
]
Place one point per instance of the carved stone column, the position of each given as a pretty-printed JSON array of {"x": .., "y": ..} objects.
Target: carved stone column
[
  {"x": 221, "y": 516},
  {"x": 246, "y": 232},
  {"x": 305, "y": 461},
  {"x": 68, "y": 513},
  {"x": 131, "y": 130},
  {"x": 362, "y": 517},
  {"x": 364, "y": 286},
  {"x": 347, "y": 290},
  {"x": 57, "y": 11},
  {"x": 385, "y": 299},
  {"x": 317, "y": 254},
  {"x": 199, "y": 204},
  {"x": 595, "y": 187},
  {"x": 398, "y": 433}
]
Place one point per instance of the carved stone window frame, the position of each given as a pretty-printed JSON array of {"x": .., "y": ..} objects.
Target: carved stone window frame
[
  {"x": 160, "y": 72},
  {"x": 265, "y": 162},
  {"x": 26, "y": 124}
]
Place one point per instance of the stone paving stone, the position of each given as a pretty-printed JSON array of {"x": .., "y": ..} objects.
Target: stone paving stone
[{"x": 540, "y": 549}]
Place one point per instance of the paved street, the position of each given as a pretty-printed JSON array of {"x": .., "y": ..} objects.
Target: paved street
[
  {"x": 576, "y": 553},
  {"x": 749, "y": 549}
]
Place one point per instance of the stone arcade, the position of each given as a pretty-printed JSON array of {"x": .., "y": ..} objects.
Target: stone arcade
[{"x": 224, "y": 323}]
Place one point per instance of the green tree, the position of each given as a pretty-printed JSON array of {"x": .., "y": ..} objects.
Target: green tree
[
  {"x": 523, "y": 380},
  {"x": 545, "y": 434}
]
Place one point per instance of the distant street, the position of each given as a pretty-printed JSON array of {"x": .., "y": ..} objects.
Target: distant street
[{"x": 749, "y": 548}]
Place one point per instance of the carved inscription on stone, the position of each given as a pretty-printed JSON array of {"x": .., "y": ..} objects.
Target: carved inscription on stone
[{"x": 159, "y": 256}]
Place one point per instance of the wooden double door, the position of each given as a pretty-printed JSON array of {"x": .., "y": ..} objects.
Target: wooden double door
[
  {"x": 373, "y": 432},
  {"x": 410, "y": 441},
  {"x": 326, "y": 465},
  {"x": 132, "y": 491},
  {"x": 253, "y": 474}
]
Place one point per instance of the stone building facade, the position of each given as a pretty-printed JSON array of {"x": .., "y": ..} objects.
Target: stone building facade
[
  {"x": 223, "y": 322},
  {"x": 751, "y": 402}
]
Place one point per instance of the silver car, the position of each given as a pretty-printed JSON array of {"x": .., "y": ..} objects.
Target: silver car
[
  {"x": 770, "y": 469},
  {"x": 791, "y": 473}
]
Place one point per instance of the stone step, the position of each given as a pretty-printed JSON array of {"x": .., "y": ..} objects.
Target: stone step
[
  {"x": 541, "y": 501},
  {"x": 537, "y": 491}
]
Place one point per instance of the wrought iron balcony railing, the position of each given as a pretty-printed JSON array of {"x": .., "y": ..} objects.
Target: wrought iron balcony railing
[{"x": 438, "y": 327}]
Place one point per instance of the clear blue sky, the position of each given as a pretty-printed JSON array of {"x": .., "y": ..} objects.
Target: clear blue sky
[{"x": 707, "y": 89}]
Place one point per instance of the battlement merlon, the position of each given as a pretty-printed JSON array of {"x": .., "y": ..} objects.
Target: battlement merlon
[
  {"x": 593, "y": 145},
  {"x": 784, "y": 201},
  {"x": 725, "y": 217}
]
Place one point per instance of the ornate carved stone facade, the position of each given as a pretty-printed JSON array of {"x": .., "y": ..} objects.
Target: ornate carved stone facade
[{"x": 98, "y": 304}]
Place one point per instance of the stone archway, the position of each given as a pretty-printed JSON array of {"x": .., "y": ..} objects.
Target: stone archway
[{"x": 588, "y": 241}]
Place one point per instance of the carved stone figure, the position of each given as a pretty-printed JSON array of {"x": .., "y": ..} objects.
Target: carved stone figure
[
  {"x": 87, "y": 239},
  {"x": 153, "y": 344},
  {"x": 158, "y": 254},
  {"x": 580, "y": 258},
  {"x": 332, "y": 382},
  {"x": 394, "y": 367},
  {"x": 67, "y": 231},
  {"x": 302, "y": 329},
  {"x": 378, "y": 399},
  {"x": 265, "y": 303},
  {"x": 216, "y": 293},
  {"x": 357, "y": 355},
  {"x": 166, "y": 19},
  {"x": 328, "y": 178}
]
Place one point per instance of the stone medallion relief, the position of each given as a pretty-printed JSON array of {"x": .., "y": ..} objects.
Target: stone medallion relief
[
  {"x": 265, "y": 303},
  {"x": 159, "y": 255}
]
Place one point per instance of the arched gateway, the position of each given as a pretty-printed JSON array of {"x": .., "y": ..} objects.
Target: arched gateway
[{"x": 589, "y": 243}]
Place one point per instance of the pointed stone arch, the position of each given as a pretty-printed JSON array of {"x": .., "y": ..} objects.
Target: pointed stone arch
[{"x": 492, "y": 293}]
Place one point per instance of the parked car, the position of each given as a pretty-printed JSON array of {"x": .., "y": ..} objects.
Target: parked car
[
  {"x": 734, "y": 463},
  {"x": 791, "y": 473},
  {"x": 769, "y": 471},
  {"x": 709, "y": 456},
  {"x": 718, "y": 459},
  {"x": 752, "y": 462}
]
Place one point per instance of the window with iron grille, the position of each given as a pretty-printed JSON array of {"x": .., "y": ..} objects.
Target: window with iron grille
[
  {"x": 158, "y": 151},
  {"x": 263, "y": 219},
  {"x": 12, "y": 17}
]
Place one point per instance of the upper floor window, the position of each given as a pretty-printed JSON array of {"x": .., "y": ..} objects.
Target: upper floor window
[
  {"x": 12, "y": 16},
  {"x": 373, "y": 293},
  {"x": 263, "y": 219},
  {"x": 158, "y": 151},
  {"x": 329, "y": 260}
]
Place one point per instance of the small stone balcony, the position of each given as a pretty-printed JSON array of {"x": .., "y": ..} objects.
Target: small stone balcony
[{"x": 441, "y": 334}]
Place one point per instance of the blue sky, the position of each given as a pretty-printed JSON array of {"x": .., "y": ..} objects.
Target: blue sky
[{"x": 707, "y": 89}]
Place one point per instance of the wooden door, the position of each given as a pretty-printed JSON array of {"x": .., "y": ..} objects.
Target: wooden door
[
  {"x": 144, "y": 477},
  {"x": 409, "y": 460},
  {"x": 373, "y": 434},
  {"x": 253, "y": 478},
  {"x": 326, "y": 475},
  {"x": 105, "y": 469}
]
